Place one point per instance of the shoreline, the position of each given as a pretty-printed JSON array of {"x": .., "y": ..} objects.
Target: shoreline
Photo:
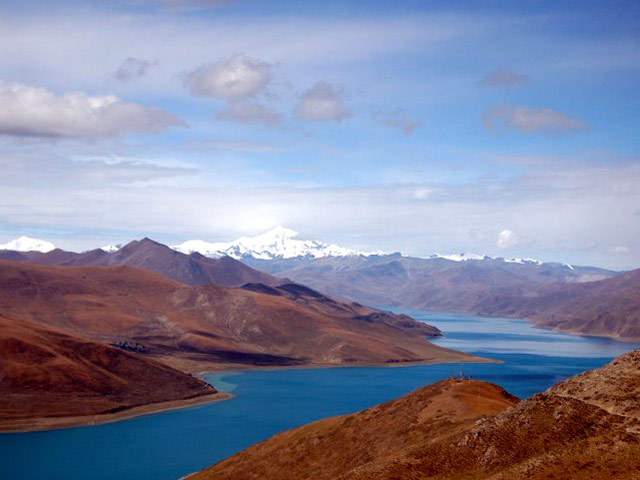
[
  {"x": 219, "y": 368},
  {"x": 577, "y": 333},
  {"x": 39, "y": 424},
  {"x": 534, "y": 322}
]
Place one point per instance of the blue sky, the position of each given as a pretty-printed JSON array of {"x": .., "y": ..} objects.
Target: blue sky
[{"x": 415, "y": 126}]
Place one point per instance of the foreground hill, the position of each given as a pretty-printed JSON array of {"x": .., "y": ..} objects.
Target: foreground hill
[
  {"x": 193, "y": 269},
  {"x": 587, "y": 427},
  {"x": 608, "y": 307},
  {"x": 257, "y": 325},
  {"x": 47, "y": 375}
]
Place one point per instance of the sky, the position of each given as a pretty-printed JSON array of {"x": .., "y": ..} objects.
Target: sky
[{"x": 499, "y": 128}]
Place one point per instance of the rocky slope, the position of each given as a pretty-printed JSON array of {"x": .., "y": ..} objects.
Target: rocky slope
[{"x": 587, "y": 427}]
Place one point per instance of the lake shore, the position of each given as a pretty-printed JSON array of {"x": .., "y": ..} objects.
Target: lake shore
[
  {"x": 220, "y": 368},
  {"x": 55, "y": 423}
]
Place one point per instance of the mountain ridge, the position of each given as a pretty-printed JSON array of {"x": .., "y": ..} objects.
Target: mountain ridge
[
  {"x": 282, "y": 243},
  {"x": 209, "y": 323},
  {"x": 194, "y": 269}
]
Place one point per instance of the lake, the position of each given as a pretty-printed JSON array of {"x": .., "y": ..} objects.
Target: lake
[{"x": 173, "y": 444}]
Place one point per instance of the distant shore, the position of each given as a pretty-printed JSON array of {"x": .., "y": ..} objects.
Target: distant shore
[
  {"x": 219, "y": 368},
  {"x": 54, "y": 423}
]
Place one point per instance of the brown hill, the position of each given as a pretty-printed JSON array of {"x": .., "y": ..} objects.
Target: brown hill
[
  {"x": 583, "y": 428},
  {"x": 257, "y": 325},
  {"x": 193, "y": 269},
  {"x": 46, "y": 374},
  {"x": 13, "y": 256},
  {"x": 608, "y": 307}
]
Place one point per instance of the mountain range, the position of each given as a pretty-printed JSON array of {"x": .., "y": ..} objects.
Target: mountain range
[
  {"x": 193, "y": 269},
  {"x": 586, "y": 427},
  {"x": 552, "y": 294},
  {"x": 28, "y": 244},
  {"x": 608, "y": 307},
  {"x": 76, "y": 340},
  {"x": 278, "y": 243}
]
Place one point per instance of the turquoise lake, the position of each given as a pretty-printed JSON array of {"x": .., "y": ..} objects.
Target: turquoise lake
[{"x": 173, "y": 444}]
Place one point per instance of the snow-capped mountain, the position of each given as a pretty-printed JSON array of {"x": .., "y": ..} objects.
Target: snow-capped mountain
[
  {"x": 283, "y": 243},
  {"x": 28, "y": 244},
  {"x": 465, "y": 257},
  {"x": 460, "y": 257},
  {"x": 111, "y": 248},
  {"x": 279, "y": 243}
]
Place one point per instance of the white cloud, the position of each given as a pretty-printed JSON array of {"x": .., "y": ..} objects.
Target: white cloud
[
  {"x": 249, "y": 112},
  {"x": 38, "y": 112},
  {"x": 504, "y": 78},
  {"x": 88, "y": 39},
  {"x": 532, "y": 120},
  {"x": 555, "y": 210},
  {"x": 620, "y": 249},
  {"x": 422, "y": 193},
  {"x": 235, "y": 78},
  {"x": 322, "y": 103},
  {"x": 506, "y": 239},
  {"x": 399, "y": 119},
  {"x": 132, "y": 68}
]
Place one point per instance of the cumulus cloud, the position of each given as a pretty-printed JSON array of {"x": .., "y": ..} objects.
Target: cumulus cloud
[
  {"x": 531, "y": 120},
  {"x": 37, "y": 112},
  {"x": 322, "y": 103},
  {"x": 399, "y": 119},
  {"x": 504, "y": 79},
  {"x": 132, "y": 68},
  {"x": 249, "y": 113},
  {"x": 235, "y": 78},
  {"x": 506, "y": 239}
]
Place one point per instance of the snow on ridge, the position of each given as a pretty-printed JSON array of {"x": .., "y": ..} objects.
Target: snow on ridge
[
  {"x": 459, "y": 257},
  {"x": 465, "y": 257},
  {"x": 523, "y": 260},
  {"x": 111, "y": 248},
  {"x": 283, "y": 243},
  {"x": 278, "y": 243},
  {"x": 28, "y": 244}
]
